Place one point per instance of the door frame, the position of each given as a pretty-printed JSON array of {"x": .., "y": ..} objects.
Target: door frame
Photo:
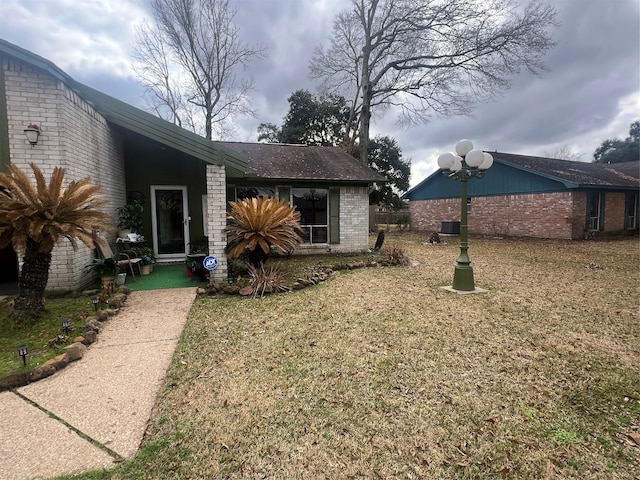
[{"x": 185, "y": 221}]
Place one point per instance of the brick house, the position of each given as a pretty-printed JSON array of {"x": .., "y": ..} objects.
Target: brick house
[
  {"x": 182, "y": 179},
  {"x": 525, "y": 196}
]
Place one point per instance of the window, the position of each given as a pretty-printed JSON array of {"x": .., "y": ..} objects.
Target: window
[
  {"x": 313, "y": 207},
  {"x": 594, "y": 204},
  {"x": 631, "y": 211},
  {"x": 253, "y": 192}
]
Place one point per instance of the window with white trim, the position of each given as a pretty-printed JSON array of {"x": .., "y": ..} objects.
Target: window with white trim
[{"x": 313, "y": 205}]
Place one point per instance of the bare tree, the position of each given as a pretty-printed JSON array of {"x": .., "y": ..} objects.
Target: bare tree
[
  {"x": 564, "y": 152},
  {"x": 188, "y": 62},
  {"x": 428, "y": 56}
]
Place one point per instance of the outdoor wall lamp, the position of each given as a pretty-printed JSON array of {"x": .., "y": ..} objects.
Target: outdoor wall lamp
[
  {"x": 66, "y": 323},
  {"x": 467, "y": 164},
  {"x": 32, "y": 132},
  {"x": 22, "y": 351}
]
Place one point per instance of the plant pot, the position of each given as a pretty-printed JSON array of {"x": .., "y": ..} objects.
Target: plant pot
[
  {"x": 120, "y": 279},
  {"x": 107, "y": 283},
  {"x": 146, "y": 269}
]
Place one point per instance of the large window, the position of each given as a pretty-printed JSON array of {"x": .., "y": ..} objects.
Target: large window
[
  {"x": 594, "y": 209},
  {"x": 631, "y": 211},
  {"x": 253, "y": 192},
  {"x": 312, "y": 203}
]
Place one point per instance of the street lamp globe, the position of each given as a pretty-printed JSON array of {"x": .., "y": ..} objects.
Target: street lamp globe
[
  {"x": 457, "y": 163},
  {"x": 463, "y": 147},
  {"x": 487, "y": 162},
  {"x": 445, "y": 160},
  {"x": 474, "y": 158}
]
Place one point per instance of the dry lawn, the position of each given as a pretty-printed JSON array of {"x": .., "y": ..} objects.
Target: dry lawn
[{"x": 379, "y": 373}]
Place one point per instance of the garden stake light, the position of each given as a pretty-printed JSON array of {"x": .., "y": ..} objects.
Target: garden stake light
[
  {"x": 95, "y": 301},
  {"x": 467, "y": 164},
  {"x": 66, "y": 323},
  {"x": 22, "y": 351}
]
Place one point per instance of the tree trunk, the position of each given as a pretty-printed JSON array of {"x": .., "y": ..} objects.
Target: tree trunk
[
  {"x": 34, "y": 276},
  {"x": 257, "y": 257}
]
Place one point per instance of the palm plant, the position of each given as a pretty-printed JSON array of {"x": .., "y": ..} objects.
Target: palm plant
[
  {"x": 258, "y": 224},
  {"x": 34, "y": 218}
]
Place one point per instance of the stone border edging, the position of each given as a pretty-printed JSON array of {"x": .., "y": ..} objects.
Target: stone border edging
[{"x": 72, "y": 352}]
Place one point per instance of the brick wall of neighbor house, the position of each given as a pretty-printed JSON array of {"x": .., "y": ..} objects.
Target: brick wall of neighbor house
[
  {"x": 217, "y": 219},
  {"x": 614, "y": 203},
  {"x": 73, "y": 136},
  {"x": 354, "y": 220},
  {"x": 544, "y": 215},
  {"x": 579, "y": 215}
]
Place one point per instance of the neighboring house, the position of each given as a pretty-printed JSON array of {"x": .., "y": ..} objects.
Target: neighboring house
[
  {"x": 526, "y": 196},
  {"x": 182, "y": 179}
]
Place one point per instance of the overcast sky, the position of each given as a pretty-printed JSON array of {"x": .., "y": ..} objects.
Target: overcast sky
[{"x": 591, "y": 91}]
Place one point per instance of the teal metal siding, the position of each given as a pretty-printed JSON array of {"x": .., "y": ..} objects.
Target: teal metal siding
[{"x": 500, "y": 179}]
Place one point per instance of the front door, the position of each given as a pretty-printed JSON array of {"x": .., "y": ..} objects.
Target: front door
[{"x": 170, "y": 221}]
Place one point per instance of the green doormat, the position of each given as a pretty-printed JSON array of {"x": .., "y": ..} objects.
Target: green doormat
[{"x": 164, "y": 276}]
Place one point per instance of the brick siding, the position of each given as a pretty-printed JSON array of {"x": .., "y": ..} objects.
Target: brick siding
[
  {"x": 73, "y": 136},
  {"x": 614, "y": 203},
  {"x": 217, "y": 219},
  {"x": 543, "y": 215},
  {"x": 354, "y": 220}
]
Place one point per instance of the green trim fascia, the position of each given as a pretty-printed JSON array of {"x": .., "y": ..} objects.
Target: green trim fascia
[
  {"x": 135, "y": 119},
  {"x": 150, "y": 126}
]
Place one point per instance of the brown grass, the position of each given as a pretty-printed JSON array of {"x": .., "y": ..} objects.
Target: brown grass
[{"x": 379, "y": 373}]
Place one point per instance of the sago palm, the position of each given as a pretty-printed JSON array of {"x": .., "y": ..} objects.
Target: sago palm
[
  {"x": 258, "y": 224},
  {"x": 33, "y": 218}
]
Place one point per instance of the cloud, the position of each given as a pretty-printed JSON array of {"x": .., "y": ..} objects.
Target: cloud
[
  {"x": 590, "y": 92},
  {"x": 78, "y": 36}
]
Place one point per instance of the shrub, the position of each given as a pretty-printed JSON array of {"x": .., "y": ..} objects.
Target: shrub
[
  {"x": 256, "y": 225},
  {"x": 265, "y": 280}
]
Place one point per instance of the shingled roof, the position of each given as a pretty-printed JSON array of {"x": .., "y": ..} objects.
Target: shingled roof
[
  {"x": 576, "y": 174},
  {"x": 303, "y": 162}
]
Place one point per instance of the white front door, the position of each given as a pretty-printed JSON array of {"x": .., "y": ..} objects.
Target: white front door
[{"x": 170, "y": 221}]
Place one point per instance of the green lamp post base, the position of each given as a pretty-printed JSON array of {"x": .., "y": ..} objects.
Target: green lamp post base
[{"x": 463, "y": 278}]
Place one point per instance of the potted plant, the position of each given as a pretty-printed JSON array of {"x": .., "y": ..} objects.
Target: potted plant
[
  {"x": 148, "y": 259},
  {"x": 198, "y": 251},
  {"x": 107, "y": 269},
  {"x": 130, "y": 218}
]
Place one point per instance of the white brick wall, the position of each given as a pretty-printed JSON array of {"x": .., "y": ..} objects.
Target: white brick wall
[
  {"x": 217, "y": 219},
  {"x": 354, "y": 220},
  {"x": 73, "y": 136}
]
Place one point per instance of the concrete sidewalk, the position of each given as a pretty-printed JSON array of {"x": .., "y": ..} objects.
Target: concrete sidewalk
[{"x": 95, "y": 411}]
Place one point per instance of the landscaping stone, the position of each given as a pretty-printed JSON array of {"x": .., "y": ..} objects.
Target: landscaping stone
[
  {"x": 231, "y": 290},
  {"x": 14, "y": 380},
  {"x": 92, "y": 325},
  {"x": 75, "y": 351},
  {"x": 58, "y": 362},
  {"x": 90, "y": 337},
  {"x": 79, "y": 338},
  {"x": 42, "y": 371}
]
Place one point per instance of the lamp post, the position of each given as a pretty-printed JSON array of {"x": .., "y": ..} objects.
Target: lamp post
[{"x": 467, "y": 164}]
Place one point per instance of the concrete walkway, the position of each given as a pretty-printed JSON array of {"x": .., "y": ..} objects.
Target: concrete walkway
[{"x": 95, "y": 412}]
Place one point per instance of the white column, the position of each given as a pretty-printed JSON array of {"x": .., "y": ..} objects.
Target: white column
[{"x": 217, "y": 219}]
